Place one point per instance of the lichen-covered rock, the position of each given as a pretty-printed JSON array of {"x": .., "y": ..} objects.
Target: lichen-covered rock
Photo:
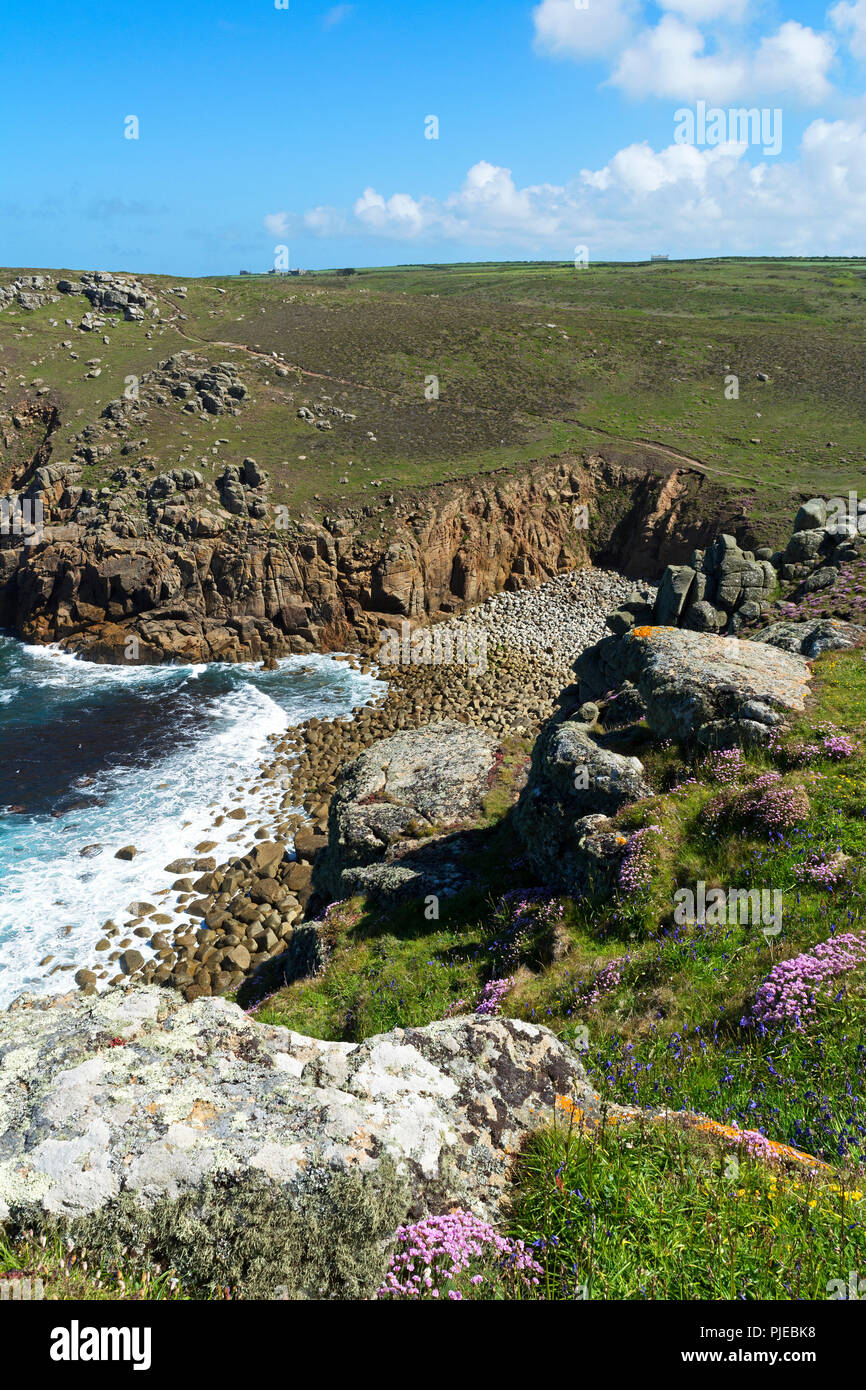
[
  {"x": 719, "y": 691},
  {"x": 703, "y": 617},
  {"x": 712, "y": 591},
  {"x": 572, "y": 777},
  {"x": 401, "y": 789},
  {"x": 811, "y": 638},
  {"x": 805, "y": 546},
  {"x": 249, "y": 1155}
]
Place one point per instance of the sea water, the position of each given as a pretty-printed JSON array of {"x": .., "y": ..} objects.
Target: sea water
[{"x": 94, "y": 758}]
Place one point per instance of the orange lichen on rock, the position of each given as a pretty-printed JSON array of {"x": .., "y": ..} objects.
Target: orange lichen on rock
[{"x": 776, "y": 1151}]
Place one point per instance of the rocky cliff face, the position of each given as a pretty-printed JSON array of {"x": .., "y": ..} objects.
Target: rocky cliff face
[{"x": 183, "y": 584}]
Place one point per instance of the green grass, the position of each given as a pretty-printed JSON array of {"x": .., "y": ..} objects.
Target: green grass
[
  {"x": 68, "y": 1272},
  {"x": 381, "y": 978},
  {"x": 656, "y": 1212},
  {"x": 637, "y": 353}
]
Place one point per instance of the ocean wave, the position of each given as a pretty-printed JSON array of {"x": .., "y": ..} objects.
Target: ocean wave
[{"x": 54, "y": 900}]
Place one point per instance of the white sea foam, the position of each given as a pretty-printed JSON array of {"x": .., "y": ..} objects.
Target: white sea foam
[{"x": 54, "y": 902}]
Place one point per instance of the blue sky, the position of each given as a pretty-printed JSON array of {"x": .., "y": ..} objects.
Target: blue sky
[{"x": 262, "y": 126}]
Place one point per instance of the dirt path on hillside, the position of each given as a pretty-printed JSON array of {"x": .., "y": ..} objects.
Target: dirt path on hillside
[{"x": 669, "y": 454}]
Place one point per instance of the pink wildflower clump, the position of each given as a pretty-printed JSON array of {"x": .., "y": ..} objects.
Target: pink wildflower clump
[
  {"x": 838, "y": 747},
  {"x": 817, "y": 869},
  {"x": 789, "y": 993},
  {"x": 765, "y": 806},
  {"x": 799, "y": 754},
  {"x": 725, "y": 765},
  {"x": 492, "y": 995},
  {"x": 834, "y": 745},
  {"x": 757, "y": 1145},
  {"x": 606, "y": 979},
  {"x": 434, "y": 1254},
  {"x": 635, "y": 870}
]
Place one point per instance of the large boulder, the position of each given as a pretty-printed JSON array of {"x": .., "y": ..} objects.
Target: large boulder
[
  {"x": 573, "y": 777},
  {"x": 709, "y": 593},
  {"x": 402, "y": 790},
  {"x": 248, "y": 1155},
  {"x": 811, "y": 638},
  {"x": 631, "y": 613},
  {"x": 673, "y": 593},
  {"x": 703, "y": 617},
  {"x": 805, "y": 546},
  {"x": 812, "y": 516},
  {"x": 718, "y": 691}
]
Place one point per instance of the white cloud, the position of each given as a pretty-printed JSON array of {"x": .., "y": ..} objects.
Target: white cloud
[
  {"x": 850, "y": 20},
  {"x": 399, "y": 213},
  {"x": 795, "y": 60},
  {"x": 277, "y": 223},
  {"x": 488, "y": 199},
  {"x": 689, "y": 200},
  {"x": 669, "y": 61},
  {"x": 693, "y": 53},
  {"x": 564, "y": 30},
  {"x": 714, "y": 200},
  {"x": 639, "y": 170}
]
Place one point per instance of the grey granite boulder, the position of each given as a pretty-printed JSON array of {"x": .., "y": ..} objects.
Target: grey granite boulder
[
  {"x": 399, "y": 791},
  {"x": 823, "y": 578},
  {"x": 719, "y": 691},
  {"x": 703, "y": 617},
  {"x": 673, "y": 593},
  {"x": 631, "y": 613},
  {"x": 572, "y": 777},
  {"x": 812, "y": 516},
  {"x": 248, "y": 1155},
  {"x": 804, "y": 547},
  {"x": 811, "y": 638}
]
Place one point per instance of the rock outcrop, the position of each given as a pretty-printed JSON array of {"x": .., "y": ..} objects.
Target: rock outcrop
[
  {"x": 250, "y": 1156},
  {"x": 723, "y": 587},
  {"x": 718, "y": 590},
  {"x": 109, "y": 294},
  {"x": 28, "y": 291},
  {"x": 813, "y": 637},
  {"x": 822, "y": 540},
  {"x": 396, "y": 814},
  {"x": 718, "y": 691},
  {"x": 574, "y": 785}
]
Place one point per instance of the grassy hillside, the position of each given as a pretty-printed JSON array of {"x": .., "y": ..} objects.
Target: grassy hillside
[
  {"x": 531, "y": 359},
  {"x": 666, "y": 1015}
]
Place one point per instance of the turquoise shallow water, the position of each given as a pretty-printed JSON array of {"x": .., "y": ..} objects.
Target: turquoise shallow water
[{"x": 96, "y": 757}]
